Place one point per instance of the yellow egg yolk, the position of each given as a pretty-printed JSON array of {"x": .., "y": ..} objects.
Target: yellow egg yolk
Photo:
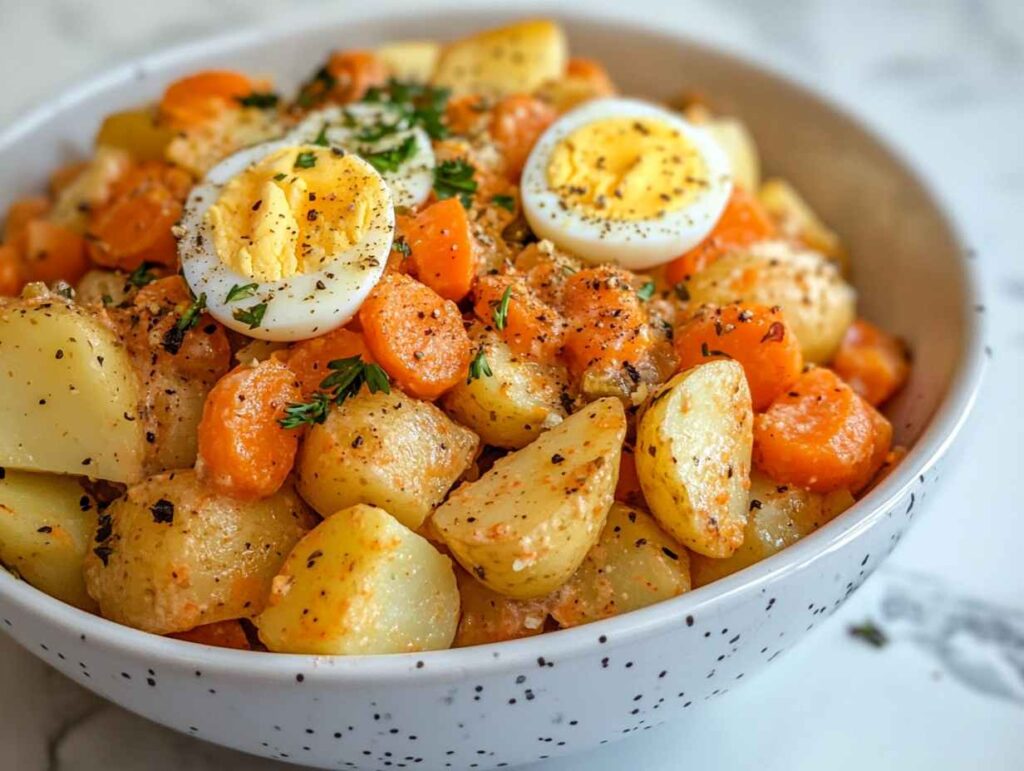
[
  {"x": 626, "y": 169},
  {"x": 293, "y": 212}
]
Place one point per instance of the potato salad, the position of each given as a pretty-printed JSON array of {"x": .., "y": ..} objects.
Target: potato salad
[{"x": 455, "y": 344}]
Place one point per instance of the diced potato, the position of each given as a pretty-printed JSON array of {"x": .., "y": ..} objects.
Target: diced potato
[
  {"x": 387, "y": 450},
  {"x": 258, "y": 350},
  {"x": 633, "y": 565},
  {"x": 489, "y": 617},
  {"x": 173, "y": 554},
  {"x": 525, "y": 526},
  {"x": 70, "y": 395},
  {"x": 693, "y": 456},
  {"x": 818, "y": 304},
  {"x": 734, "y": 137},
  {"x": 796, "y": 219},
  {"x": 513, "y": 59},
  {"x": 174, "y": 405},
  {"x": 359, "y": 583},
  {"x": 779, "y": 516},
  {"x": 90, "y": 188},
  {"x": 516, "y": 402},
  {"x": 46, "y": 527},
  {"x": 202, "y": 147},
  {"x": 411, "y": 60},
  {"x": 137, "y": 133},
  {"x": 101, "y": 287}
]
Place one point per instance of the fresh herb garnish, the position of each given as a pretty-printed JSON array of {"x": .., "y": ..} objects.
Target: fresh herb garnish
[
  {"x": 646, "y": 292},
  {"x": 279, "y": 176},
  {"x": 346, "y": 378},
  {"x": 142, "y": 275},
  {"x": 479, "y": 367},
  {"x": 506, "y": 202},
  {"x": 500, "y": 314},
  {"x": 321, "y": 139},
  {"x": 240, "y": 292},
  {"x": 707, "y": 351},
  {"x": 306, "y": 160},
  {"x": 401, "y": 246},
  {"x": 392, "y": 158},
  {"x": 869, "y": 632},
  {"x": 253, "y": 315},
  {"x": 107, "y": 299},
  {"x": 316, "y": 89},
  {"x": 263, "y": 100},
  {"x": 453, "y": 178},
  {"x": 416, "y": 104},
  {"x": 191, "y": 315}
]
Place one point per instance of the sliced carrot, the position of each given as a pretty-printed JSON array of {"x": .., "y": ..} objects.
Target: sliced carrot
[
  {"x": 135, "y": 226},
  {"x": 222, "y": 634},
  {"x": 197, "y": 98},
  {"x": 871, "y": 361},
  {"x": 12, "y": 271},
  {"x": 754, "y": 335},
  {"x": 19, "y": 214},
  {"x": 591, "y": 71},
  {"x": 169, "y": 291},
  {"x": 441, "y": 248},
  {"x": 531, "y": 327},
  {"x": 54, "y": 253},
  {"x": 243, "y": 450},
  {"x": 743, "y": 222},
  {"x": 627, "y": 488},
  {"x": 819, "y": 434},
  {"x": 463, "y": 113},
  {"x": 516, "y": 125},
  {"x": 607, "y": 322},
  {"x": 309, "y": 359},
  {"x": 882, "y": 443},
  {"x": 416, "y": 336}
]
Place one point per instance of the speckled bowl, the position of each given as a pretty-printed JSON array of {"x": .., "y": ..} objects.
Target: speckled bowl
[{"x": 501, "y": 705}]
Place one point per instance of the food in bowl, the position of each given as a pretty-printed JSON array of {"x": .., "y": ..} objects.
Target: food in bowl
[{"x": 454, "y": 346}]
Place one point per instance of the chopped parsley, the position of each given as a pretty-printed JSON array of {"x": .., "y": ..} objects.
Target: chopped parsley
[
  {"x": 306, "y": 160},
  {"x": 191, "y": 315},
  {"x": 646, "y": 292},
  {"x": 401, "y": 246},
  {"x": 253, "y": 315},
  {"x": 506, "y": 202},
  {"x": 321, "y": 139},
  {"x": 869, "y": 632},
  {"x": 278, "y": 177},
  {"x": 500, "y": 314},
  {"x": 392, "y": 158},
  {"x": 416, "y": 104},
  {"x": 479, "y": 367},
  {"x": 346, "y": 378},
  {"x": 240, "y": 292},
  {"x": 455, "y": 178},
  {"x": 316, "y": 89},
  {"x": 262, "y": 100},
  {"x": 107, "y": 299},
  {"x": 142, "y": 275}
]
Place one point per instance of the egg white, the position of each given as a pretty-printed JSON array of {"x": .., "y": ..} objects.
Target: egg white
[
  {"x": 300, "y": 306},
  {"x": 634, "y": 244},
  {"x": 411, "y": 183}
]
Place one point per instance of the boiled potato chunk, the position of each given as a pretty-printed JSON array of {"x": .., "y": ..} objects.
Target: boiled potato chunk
[
  {"x": 387, "y": 450},
  {"x": 359, "y": 583},
  {"x": 633, "y": 565},
  {"x": 525, "y": 526},
  {"x": 46, "y": 527},
  {"x": 489, "y": 617},
  {"x": 818, "y": 304},
  {"x": 516, "y": 402},
  {"x": 136, "y": 132},
  {"x": 780, "y": 515},
  {"x": 693, "y": 456},
  {"x": 102, "y": 287},
  {"x": 172, "y": 554},
  {"x": 410, "y": 60},
  {"x": 70, "y": 394},
  {"x": 513, "y": 59},
  {"x": 798, "y": 220},
  {"x": 734, "y": 137}
]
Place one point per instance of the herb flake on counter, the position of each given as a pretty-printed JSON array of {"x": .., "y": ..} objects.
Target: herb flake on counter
[{"x": 869, "y": 632}]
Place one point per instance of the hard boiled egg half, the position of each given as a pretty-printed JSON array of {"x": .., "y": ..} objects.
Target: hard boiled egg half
[
  {"x": 285, "y": 240},
  {"x": 625, "y": 181}
]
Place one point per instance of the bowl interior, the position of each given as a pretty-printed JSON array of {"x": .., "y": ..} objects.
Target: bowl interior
[{"x": 907, "y": 263}]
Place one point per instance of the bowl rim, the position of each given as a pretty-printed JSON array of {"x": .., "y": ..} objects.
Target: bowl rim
[{"x": 941, "y": 430}]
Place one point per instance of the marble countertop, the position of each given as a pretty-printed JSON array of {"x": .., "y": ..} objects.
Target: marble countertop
[{"x": 944, "y": 82}]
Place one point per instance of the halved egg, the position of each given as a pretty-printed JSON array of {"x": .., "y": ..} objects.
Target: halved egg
[
  {"x": 625, "y": 181},
  {"x": 286, "y": 240},
  {"x": 380, "y": 134}
]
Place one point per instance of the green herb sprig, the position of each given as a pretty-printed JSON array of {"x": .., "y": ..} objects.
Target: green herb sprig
[
  {"x": 346, "y": 379},
  {"x": 455, "y": 178}
]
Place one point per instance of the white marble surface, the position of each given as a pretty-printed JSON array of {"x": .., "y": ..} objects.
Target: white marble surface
[{"x": 944, "y": 81}]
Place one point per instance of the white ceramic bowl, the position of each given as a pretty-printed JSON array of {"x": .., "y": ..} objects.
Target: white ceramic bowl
[{"x": 506, "y": 704}]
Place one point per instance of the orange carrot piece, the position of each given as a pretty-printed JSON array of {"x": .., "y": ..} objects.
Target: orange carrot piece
[
  {"x": 221, "y": 634},
  {"x": 416, "y": 336},
  {"x": 532, "y": 327},
  {"x": 592, "y": 72},
  {"x": 12, "y": 271},
  {"x": 754, "y": 335},
  {"x": 309, "y": 359},
  {"x": 881, "y": 445},
  {"x": 354, "y": 73},
  {"x": 243, "y": 450},
  {"x": 441, "y": 248},
  {"x": 19, "y": 214},
  {"x": 135, "y": 227},
  {"x": 627, "y": 488},
  {"x": 53, "y": 253},
  {"x": 163, "y": 292},
  {"x": 516, "y": 125},
  {"x": 463, "y": 113},
  {"x": 607, "y": 322},
  {"x": 197, "y": 98},
  {"x": 743, "y": 222},
  {"x": 872, "y": 362},
  {"x": 819, "y": 434}
]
